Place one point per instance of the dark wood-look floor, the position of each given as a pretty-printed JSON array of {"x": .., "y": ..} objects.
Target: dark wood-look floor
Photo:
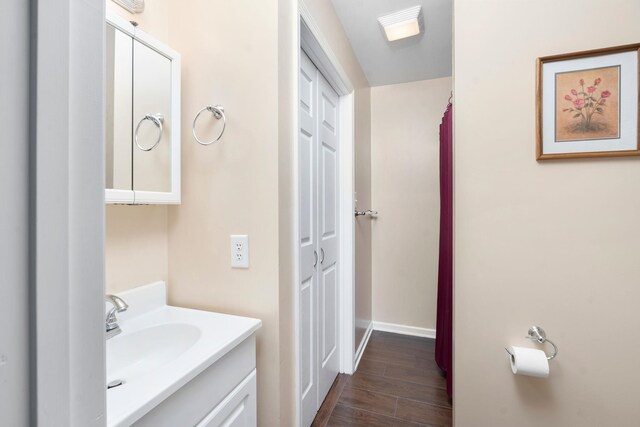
[{"x": 397, "y": 384}]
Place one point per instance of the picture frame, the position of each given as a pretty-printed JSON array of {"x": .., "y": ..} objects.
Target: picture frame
[{"x": 587, "y": 104}]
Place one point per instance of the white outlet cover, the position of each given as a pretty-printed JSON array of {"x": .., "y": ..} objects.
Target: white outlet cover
[{"x": 239, "y": 251}]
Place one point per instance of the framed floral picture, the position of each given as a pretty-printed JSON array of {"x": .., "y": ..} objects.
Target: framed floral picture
[{"x": 587, "y": 104}]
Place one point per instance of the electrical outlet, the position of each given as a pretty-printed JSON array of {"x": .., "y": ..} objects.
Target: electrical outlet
[{"x": 240, "y": 251}]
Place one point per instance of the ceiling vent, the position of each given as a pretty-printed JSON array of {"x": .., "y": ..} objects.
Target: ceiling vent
[
  {"x": 403, "y": 23},
  {"x": 133, "y": 6}
]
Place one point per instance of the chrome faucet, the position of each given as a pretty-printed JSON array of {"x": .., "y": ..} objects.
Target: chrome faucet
[{"x": 119, "y": 306}]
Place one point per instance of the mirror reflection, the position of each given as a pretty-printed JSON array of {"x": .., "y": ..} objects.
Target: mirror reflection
[
  {"x": 119, "y": 63},
  {"x": 151, "y": 97},
  {"x": 139, "y": 115}
]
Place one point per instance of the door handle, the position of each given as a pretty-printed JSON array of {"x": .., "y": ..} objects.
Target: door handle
[
  {"x": 315, "y": 262},
  {"x": 322, "y": 259}
]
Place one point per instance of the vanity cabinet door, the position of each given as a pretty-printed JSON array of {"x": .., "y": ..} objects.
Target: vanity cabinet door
[
  {"x": 152, "y": 119},
  {"x": 119, "y": 60},
  {"x": 239, "y": 409},
  {"x": 142, "y": 117}
]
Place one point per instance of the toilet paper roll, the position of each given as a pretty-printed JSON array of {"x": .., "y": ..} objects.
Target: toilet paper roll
[{"x": 529, "y": 361}]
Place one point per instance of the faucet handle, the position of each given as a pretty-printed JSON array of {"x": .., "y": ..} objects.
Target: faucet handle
[
  {"x": 111, "y": 321},
  {"x": 118, "y": 303}
]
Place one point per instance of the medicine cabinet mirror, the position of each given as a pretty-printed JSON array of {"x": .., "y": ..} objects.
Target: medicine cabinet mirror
[{"x": 142, "y": 117}]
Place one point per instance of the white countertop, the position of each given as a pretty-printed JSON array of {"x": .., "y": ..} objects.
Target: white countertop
[{"x": 187, "y": 342}]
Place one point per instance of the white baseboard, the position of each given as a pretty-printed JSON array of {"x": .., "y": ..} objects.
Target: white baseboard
[
  {"x": 404, "y": 329},
  {"x": 363, "y": 345}
]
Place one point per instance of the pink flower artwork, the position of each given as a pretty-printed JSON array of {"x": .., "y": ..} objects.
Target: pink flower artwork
[{"x": 587, "y": 104}]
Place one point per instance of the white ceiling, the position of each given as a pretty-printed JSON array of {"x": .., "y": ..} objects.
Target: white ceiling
[{"x": 426, "y": 56}]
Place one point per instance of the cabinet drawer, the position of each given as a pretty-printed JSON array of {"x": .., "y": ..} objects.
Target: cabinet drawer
[
  {"x": 188, "y": 406},
  {"x": 238, "y": 409}
]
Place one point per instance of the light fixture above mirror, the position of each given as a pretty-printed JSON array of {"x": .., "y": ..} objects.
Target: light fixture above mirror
[{"x": 133, "y": 6}]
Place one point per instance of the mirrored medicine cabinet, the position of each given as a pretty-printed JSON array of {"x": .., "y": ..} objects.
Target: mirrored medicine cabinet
[{"x": 142, "y": 117}]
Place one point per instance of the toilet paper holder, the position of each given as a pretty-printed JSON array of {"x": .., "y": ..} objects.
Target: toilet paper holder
[{"x": 537, "y": 334}]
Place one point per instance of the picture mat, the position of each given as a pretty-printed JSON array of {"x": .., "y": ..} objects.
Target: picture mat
[{"x": 628, "y": 62}]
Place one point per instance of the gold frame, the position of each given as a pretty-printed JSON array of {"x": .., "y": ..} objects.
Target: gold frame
[{"x": 575, "y": 55}]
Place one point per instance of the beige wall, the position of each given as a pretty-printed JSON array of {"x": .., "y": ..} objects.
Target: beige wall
[
  {"x": 363, "y": 269},
  {"x": 552, "y": 243},
  {"x": 230, "y": 187},
  {"x": 136, "y": 244},
  {"x": 405, "y": 138}
]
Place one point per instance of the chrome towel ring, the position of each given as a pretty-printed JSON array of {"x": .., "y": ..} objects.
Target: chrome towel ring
[
  {"x": 157, "y": 120},
  {"x": 218, "y": 113}
]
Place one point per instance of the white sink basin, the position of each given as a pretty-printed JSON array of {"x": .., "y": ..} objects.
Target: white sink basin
[
  {"x": 162, "y": 348},
  {"x": 143, "y": 351}
]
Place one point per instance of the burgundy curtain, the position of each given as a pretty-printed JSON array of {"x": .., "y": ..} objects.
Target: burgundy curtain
[{"x": 444, "y": 331}]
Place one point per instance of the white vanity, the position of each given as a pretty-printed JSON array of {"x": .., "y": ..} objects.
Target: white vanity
[{"x": 180, "y": 367}]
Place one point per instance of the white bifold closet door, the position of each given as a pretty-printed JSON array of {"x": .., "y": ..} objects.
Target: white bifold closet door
[{"x": 319, "y": 238}]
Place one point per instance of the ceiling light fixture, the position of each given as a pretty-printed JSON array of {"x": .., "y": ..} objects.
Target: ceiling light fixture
[
  {"x": 133, "y": 6},
  {"x": 403, "y": 23}
]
